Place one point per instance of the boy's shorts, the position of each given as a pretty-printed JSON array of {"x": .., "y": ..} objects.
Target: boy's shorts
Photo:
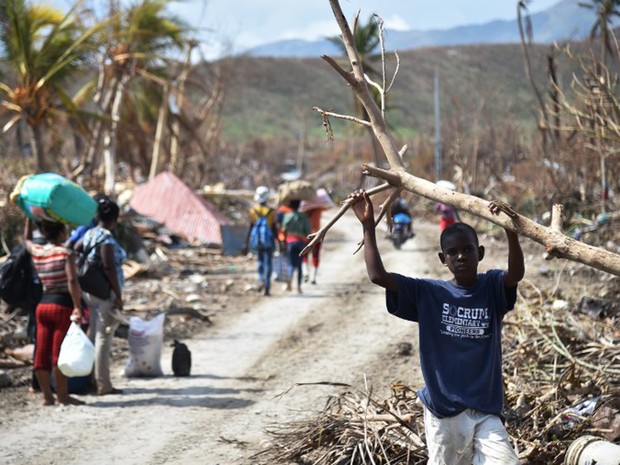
[{"x": 470, "y": 437}]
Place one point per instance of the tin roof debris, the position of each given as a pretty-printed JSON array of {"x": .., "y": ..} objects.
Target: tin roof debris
[{"x": 172, "y": 203}]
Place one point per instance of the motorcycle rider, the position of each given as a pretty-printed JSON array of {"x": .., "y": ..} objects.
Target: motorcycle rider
[{"x": 400, "y": 205}]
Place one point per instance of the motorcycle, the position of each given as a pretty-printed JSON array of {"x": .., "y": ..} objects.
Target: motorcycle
[{"x": 401, "y": 229}]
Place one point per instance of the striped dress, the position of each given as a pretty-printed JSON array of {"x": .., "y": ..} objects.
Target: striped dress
[
  {"x": 50, "y": 260},
  {"x": 52, "y": 315}
]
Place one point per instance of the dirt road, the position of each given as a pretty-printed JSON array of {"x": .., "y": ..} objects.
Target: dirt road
[{"x": 336, "y": 331}]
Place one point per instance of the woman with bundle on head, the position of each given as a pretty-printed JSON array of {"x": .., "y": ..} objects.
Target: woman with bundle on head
[
  {"x": 59, "y": 304},
  {"x": 104, "y": 312}
]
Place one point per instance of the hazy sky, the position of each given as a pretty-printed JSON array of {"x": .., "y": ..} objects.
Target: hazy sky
[{"x": 247, "y": 23}]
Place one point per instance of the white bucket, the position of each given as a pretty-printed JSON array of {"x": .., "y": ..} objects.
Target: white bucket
[{"x": 590, "y": 450}]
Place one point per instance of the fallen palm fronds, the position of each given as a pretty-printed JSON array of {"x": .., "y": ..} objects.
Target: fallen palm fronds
[
  {"x": 354, "y": 428},
  {"x": 562, "y": 377}
]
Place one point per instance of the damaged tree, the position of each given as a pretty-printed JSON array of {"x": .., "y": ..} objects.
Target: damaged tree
[{"x": 555, "y": 241}]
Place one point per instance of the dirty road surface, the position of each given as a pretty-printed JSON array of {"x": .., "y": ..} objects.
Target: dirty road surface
[{"x": 252, "y": 369}]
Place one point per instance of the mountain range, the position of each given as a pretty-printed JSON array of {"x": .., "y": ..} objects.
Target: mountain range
[{"x": 566, "y": 20}]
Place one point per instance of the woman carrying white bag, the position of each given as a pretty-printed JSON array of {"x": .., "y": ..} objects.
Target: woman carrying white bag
[
  {"x": 77, "y": 353},
  {"x": 61, "y": 301}
]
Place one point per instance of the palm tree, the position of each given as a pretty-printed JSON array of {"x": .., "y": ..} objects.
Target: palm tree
[
  {"x": 43, "y": 48},
  {"x": 136, "y": 42},
  {"x": 606, "y": 11}
]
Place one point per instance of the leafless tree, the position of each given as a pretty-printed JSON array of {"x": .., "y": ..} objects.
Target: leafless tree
[{"x": 556, "y": 242}]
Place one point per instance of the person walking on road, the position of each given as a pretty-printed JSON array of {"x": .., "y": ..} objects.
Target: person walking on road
[
  {"x": 261, "y": 237},
  {"x": 60, "y": 302},
  {"x": 449, "y": 215},
  {"x": 104, "y": 313},
  {"x": 314, "y": 209},
  {"x": 296, "y": 226},
  {"x": 460, "y": 324}
]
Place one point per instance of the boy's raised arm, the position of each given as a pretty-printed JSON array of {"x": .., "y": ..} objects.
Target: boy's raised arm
[
  {"x": 516, "y": 263},
  {"x": 363, "y": 209}
]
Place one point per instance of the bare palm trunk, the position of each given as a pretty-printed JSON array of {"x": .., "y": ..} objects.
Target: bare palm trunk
[
  {"x": 180, "y": 100},
  {"x": 159, "y": 131},
  {"x": 36, "y": 142},
  {"x": 544, "y": 125},
  {"x": 109, "y": 142},
  {"x": 19, "y": 137},
  {"x": 555, "y": 94},
  {"x": 98, "y": 131}
]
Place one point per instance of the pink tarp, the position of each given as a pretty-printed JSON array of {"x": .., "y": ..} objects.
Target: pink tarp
[{"x": 169, "y": 201}]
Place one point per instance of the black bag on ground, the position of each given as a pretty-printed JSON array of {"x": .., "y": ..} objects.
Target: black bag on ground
[
  {"x": 181, "y": 359},
  {"x": 91, "y": 274},
  {"x": 19, "y": 281}
]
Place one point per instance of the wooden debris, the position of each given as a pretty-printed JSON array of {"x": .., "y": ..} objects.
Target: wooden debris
[
  {"x": 131, "y": 269},
  {"x": 355, "y": 429}
]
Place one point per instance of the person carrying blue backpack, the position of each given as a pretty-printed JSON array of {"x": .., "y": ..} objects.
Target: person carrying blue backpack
[{"x": 261, "y": 237}]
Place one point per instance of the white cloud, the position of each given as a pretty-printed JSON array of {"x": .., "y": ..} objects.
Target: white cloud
[
  {"x": 397, "y": 23},
  {"x": 312, "y": 31}
]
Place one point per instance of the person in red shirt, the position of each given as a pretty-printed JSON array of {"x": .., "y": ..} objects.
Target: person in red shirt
[
  {"x": 449, "y": 215},
  {"x": 314, "y": 209}
]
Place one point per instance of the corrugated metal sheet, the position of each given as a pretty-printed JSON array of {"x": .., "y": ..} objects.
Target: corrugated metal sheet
[{"x": 169, "y": 201}]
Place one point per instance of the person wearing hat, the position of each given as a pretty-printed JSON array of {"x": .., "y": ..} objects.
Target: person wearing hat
[
  {"x": 314, "y": 209},
  {"x": 261, "y": 214}
]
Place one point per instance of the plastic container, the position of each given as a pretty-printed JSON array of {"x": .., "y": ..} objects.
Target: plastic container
[
  {"x": 52, "y": 197},
  {"x": 590, "y": 450}
]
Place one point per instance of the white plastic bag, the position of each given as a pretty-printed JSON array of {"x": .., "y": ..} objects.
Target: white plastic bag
[
  {"x": 146, "y": 339},
  {"x": 77, "y": 353},
  {"x": 280, "y": 267}
]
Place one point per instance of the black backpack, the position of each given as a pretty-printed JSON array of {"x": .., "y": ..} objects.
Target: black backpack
[
  {"x": 181, "y": 359},
  {"x": 19, "y": 281}
]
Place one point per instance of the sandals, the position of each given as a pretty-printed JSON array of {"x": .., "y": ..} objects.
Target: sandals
[
  {"x": 71, "y": 401},
  {"x": 101, "y": 392}
]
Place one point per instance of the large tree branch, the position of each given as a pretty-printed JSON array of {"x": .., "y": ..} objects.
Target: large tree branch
[
  {"x": 555, "y": 242},
  {"x": 358, "y": 84},
  {"x": 552, "y": 238},
  {"x": 320, "y": 234}
]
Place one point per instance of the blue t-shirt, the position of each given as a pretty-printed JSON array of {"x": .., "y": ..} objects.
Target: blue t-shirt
[
  {"x": 460, "y": 339},
  {"x": 78, "y": 233}
]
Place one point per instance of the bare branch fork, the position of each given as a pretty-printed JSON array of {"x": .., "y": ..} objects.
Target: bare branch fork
[
  {"x": 320, "y": 234},
  {"x": 555, "y": 242}
]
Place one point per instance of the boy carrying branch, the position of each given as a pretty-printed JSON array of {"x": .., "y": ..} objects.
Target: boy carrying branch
[{"x": 460, "y": 323}]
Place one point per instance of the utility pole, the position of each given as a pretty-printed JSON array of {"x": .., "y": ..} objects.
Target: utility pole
[{"x": 438, "y": 157}]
